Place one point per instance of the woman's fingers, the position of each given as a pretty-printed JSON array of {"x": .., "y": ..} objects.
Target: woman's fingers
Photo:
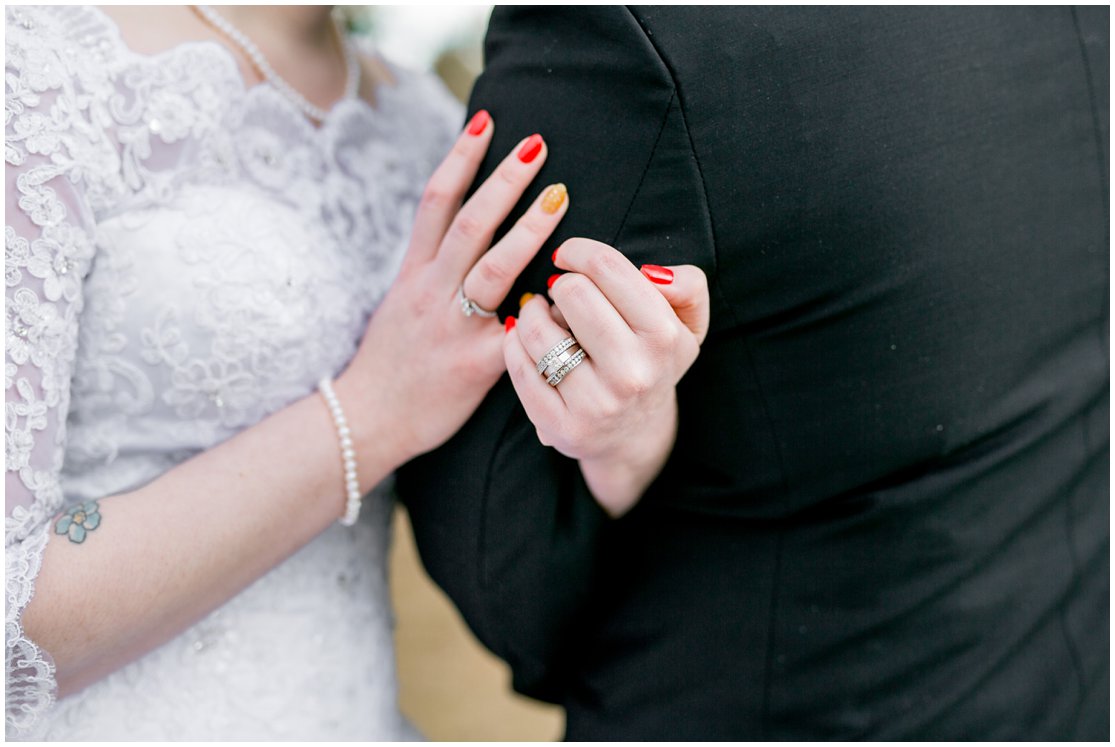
[
  {"x": 685, "y": 287},
  {"x": 447, "y": 187},
  {"x": 539, "y": 333},
  {"x": 595, "y": 322},
  {"x": 471, "y": 231},
  {"x": 490, "y": 279},
  {"x": 621, "y": 283}
]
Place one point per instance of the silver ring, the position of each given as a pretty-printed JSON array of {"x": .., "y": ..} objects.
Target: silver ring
[
  {"x": 554, "y": 352},
  {"x": 470, "y": 307},
  {"x": 560, "y": 361},
  {"x": 562, "y": 372}
]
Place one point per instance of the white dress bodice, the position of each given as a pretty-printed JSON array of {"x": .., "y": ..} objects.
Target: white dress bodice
[{"x": 185, "y": 256}]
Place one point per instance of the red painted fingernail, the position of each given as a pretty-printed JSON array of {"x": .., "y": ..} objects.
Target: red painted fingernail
[
  {"x": 656, "y": 274},
  {"x": 531, "y": 148},
  {"x": 553, "y": 257},
  {"x": 479, "y": 122},
  {"x": 552, "y": 280},
  {"x": 509, "y": 324}
]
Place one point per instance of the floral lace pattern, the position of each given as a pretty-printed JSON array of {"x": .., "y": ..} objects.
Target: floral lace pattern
[{"x": 183, "y": 257}]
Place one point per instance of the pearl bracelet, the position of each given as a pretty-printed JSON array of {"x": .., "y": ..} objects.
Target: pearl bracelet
[{"x": 348, "y": 454}]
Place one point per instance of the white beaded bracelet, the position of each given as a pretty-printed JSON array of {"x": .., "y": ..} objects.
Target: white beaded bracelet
[{"x": 348, "y": 454}]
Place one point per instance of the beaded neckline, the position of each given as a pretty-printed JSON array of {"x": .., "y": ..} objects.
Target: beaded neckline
[{"x": 268, "y": 73}]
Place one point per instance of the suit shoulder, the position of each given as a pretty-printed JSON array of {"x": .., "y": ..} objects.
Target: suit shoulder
[{"x": 604, "y": 38}]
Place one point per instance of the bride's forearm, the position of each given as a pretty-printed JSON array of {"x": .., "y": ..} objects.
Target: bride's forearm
[
  {"x": 163, "y": 556},
  {"x": 166, "y": 554}
]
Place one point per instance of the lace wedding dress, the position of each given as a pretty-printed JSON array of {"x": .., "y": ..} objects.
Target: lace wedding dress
[{"x": 182, "y": 258}]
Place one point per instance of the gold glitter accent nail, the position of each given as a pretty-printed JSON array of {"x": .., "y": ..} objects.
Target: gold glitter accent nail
[
  {"x": 553, "y": 199},
  {"x": 524, "y": 298}
]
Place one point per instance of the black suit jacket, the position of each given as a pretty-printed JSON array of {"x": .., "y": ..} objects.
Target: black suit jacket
[{"x": 886, "y": 515}]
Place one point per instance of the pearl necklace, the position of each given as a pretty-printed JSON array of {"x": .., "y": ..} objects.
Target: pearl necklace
[{"x": 316, "y": 113}]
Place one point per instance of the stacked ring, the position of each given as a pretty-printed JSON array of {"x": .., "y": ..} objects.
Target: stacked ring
[
  {"x": 559, "y": 360},
  {"x": 554, "y": 352},
  {"x": 562, "y": 372}
]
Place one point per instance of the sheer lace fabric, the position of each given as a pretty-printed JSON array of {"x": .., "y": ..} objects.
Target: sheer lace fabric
[{"x": 183, "y": 257}]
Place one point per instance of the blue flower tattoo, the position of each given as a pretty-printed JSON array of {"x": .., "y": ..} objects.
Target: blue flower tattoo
[{"x": 78, "y": 521}]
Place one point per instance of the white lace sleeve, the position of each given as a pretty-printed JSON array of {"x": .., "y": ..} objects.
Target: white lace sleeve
[{"x": 48, "y": 250}]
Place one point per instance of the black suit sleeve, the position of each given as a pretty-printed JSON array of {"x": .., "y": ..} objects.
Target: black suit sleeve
[{"x": 504, "y": 525}]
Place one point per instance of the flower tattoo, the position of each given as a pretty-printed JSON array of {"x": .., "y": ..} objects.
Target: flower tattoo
[{"x": 78, "y": 521}]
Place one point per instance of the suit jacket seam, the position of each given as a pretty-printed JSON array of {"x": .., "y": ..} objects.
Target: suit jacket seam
[
  {"x": 764, "y": 714},
  {"x": 646, "y": 166},
  {"x": 715, "y": 280},
  {"x": 696, "y": 159},
  {"x": 1097, "y": 132},
  {"x": 1092, "y": 107}
]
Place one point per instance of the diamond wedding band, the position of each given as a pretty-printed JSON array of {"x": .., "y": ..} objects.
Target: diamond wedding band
[
  {"x": 562, "y": 372},
  {"x": 560, "y": 361},
  {"x": 554, "y": 352},
  {"x": 562, "y": 358}
]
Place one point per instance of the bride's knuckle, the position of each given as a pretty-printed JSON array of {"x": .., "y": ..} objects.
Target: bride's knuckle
[
  {"x": 602, "y": 263},
  {"x": 522, "y": 370},
  {"x": 434, "y": 197},
  {"x": 635, "y": 382},
  {"x": 492, "y": 272},
  {"x": 536, "y": 229},
  {"x": 534, "y": 337},
  {"x": 463, "y": 148},
  {"x": 668, "y": 338},
  {"x": 508, "y": 174},
  {"x": 420, "y": 300},
  {"x": 573, "y": 288},
  {"x": 469, "y": 227},
  {"x": 608, "y": 408}
]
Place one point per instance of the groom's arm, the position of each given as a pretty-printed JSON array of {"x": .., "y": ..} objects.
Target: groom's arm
[{"x": 505, "y": 525}]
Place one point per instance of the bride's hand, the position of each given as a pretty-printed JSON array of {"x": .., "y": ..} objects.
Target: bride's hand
[
  {"x": 424, "y": 366},
  {"x": 616, "y": 412}
]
